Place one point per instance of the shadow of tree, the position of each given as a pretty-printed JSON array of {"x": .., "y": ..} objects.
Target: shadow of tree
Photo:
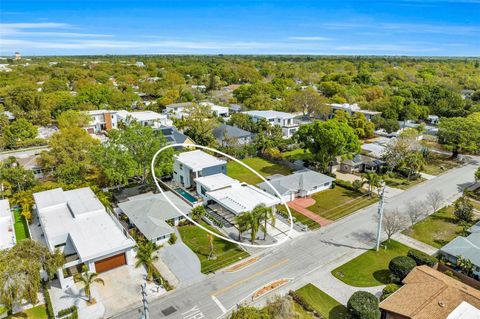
[
  {"x": 339, "y": 312},
  {"x": 382, "y": 276}
]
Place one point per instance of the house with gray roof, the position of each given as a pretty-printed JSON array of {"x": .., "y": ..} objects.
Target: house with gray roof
[
  {"x": 466, "y": 247},
  {"x": 228, "y": 135},
  {"x": 361, "y": 164},
  {"x": 299, "y": 184},
  {"x": 153, "y": 215}
]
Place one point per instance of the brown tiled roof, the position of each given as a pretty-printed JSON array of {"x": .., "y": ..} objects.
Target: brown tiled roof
[{"x": 427, "y": 293}]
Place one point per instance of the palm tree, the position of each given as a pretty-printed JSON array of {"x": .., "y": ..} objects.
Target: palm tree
[
  {"x": 87, "y": 278},
  {"x": 243, "y": 224},
  {"x": 465, "y": 265},
  {"x": 254, "y": 223},
  {"x": 198, "y": 212},
  {"x": 264, "y": 214},
  {"x": 146, "y": 257},
  {"x": 211, "y": 254},
  {"x": 373, "y": 180}
]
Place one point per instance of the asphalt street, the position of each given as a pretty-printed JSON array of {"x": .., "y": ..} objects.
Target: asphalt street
[{"x": 298, "y": 258}]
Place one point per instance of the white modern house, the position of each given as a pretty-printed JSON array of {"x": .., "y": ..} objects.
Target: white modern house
[
  {"x": 352, "y": 109},
  {"x": 282, "y": 119},
  {"x": 190, "y": 165},
  {"x": 105, "y": 120},
  {"x": 212, "y": 183},
  {"x": 76, "y": 223},
  {"x": 7, "y": 232},
  {"x": 178, "y": 110},
  {"x": 299, "y": 184},
  {"x": 238, "y": 198},
  {"x": 153, "y": 215},
  {"x": 218, "y": 110}
]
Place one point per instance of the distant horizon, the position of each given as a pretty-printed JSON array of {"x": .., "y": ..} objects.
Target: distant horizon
[{"x": 434, "y": 28}]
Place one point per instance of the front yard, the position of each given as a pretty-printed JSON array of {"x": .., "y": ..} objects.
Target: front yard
[
  {"x": 395, "y": 180},
  {"x": 20, "y": 225},
  {"x": 339, "y": 202},
  {"x": 325, "y": 305},
  {"x": 370, "y": 268},
  {"x": 197, "y": 240},
  {"x": 438, "y": 163},
  {"x": 38, "y": 312},
  {"x": 437, "y": 229},
  {"x": 299, "y": 217},
  {"x": 262, "y": 166}
]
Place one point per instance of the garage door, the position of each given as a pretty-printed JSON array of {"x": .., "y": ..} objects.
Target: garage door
[{"x": 110, "y": 263}]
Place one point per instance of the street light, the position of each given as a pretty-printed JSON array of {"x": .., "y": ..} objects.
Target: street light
[{"x": 380, "y": 214}]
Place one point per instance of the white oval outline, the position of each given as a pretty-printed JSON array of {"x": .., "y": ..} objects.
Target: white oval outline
[{"x": 206, "y": 229}]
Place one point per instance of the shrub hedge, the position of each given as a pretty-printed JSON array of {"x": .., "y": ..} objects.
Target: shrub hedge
[
  {"x": 388, "y": 290},
  {"x": 363, "y": 305},
  {"x": 422, "y": 258},
  {"x": 400, "y": 266}
]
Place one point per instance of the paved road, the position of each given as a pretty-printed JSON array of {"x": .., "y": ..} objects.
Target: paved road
[{"x": 298, "y": 259}]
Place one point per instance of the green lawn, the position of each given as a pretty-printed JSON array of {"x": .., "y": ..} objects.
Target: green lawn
[
  {"x": 262, "y": 166},
  {"x": 297, "y": 154},
  {"x": 197, "y": 240},
  {"x": 438, "y": 163},
  {"x": 38, "y": 312},
  {"x": 401, "y": 182},
  {"x": 437, "y": 229},
  {"x": 325, "y": 305},
  {"x": 339, "y": 202},
  {"x": 300, "y": 218},
  {"x": 20, "y": 225},
  {"x": 370, "y": 268}
]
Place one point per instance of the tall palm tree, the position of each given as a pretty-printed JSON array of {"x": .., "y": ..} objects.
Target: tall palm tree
[
  {"x": 87, "y": 278},
  {"x": 254, "y": 221},
  {"x": 197, "y": 213},
  {"x": 373, "y": 180},
  {"x": 146, "y": 257},
  {"x": 243, "y": 224},
  {"x": 264, "y": 214}
]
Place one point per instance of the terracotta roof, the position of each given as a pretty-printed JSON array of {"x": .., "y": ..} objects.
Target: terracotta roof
[{"x": 428, "y": 293}]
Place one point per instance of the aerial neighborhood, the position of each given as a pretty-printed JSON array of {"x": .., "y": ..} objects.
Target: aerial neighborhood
[{"x": 347, "y": 198}]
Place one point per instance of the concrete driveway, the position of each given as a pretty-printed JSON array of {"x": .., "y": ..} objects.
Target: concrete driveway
[{"x": 182, "y": 262}]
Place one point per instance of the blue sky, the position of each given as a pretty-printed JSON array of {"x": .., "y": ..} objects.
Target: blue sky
[{"x": 395, "y": 27}]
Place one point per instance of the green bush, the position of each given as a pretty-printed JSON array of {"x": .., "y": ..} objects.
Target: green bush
[
  {"x": 301, "y": 301},
  {"x": 67, "y": 311},
  {"x": 363, "y": 305},
  {"x": 173, "y": 239},
  {"x": 388, "y": 290},
  {"x": 400, "y": 267},
  {"x": 48, "y": 302},
  {"x": 422, "y": 258}
]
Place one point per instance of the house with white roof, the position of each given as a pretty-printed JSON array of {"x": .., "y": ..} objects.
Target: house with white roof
[
  {"x": 218, "y": 110},
  {"x": 178, "y": 110},
  {"x": 212, "y": 183},
  {"x": 282, "y": 119},
  {"x": 301, "y": 183},
  {"x": 153, "y": 215},
  {"x": 76, "y": 223},
  {"x": 105, "y": 120},
  {"x": 188, "y": 166},
  {"x": 352, "y": 109},
  {"x": 239, "y": 197},
  {"x": 7, "y": 232}
]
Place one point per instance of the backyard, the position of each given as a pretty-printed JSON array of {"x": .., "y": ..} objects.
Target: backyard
[
  {"x": 262, "y": 166},
  {"x": 325, "y": 305},
  {"x": 296, "y": 155},
  {"x": 20, "y": 225},
  {"x": 338, "y": 202},
  {"x": 370, "y": 268},
  {"x": 197, "y": 240},
  {"x": 437, "y": 229}
]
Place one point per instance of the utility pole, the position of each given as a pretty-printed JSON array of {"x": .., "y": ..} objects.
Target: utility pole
[
  {"x": 380, "y": 215},
  {"x": 145, "y": 314}
]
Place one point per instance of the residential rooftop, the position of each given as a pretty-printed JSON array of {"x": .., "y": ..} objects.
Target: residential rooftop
[
  {"x": 467, "y": 247},
  {"x": 270, "y": 114},
  {"x": 198, "y": 160},
  {"x": 7, "y": 233},
  {"x": 216, "y": 181}
]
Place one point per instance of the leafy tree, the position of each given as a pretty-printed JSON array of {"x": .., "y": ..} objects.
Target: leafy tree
[
  {"x": 116, "y": 163},
  {"x": 87, "y": 279},
  {"x": 308, "y": 102},
  {"x": 140, "y": 143},
  {"x": 460, "y": 134},
  {"x": 400, "y": 267},
  {"x": 19, "y": 130},
  {"x": 146, "y": 257},
  {"x": 477, "y": 175},
  {"x": 71, "y": 118},
  {"x": 358, "y": 122},
  {"x": 197, "y": 213},
  {"x": 15, "y": 175},
  {"x": 246, "y": 312},
  {"x": 69, "y": 155},
  {"x": 327, "y": 140},
  {"x": 363, "y": 305},
  {"x": 463, "y": 210},
  {"x": 199, "y": 125}
]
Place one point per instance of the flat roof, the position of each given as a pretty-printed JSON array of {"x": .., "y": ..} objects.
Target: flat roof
[
  {"x": 240, "y": 198},
  {"x": 5, "y": 208},
  {"x": 78, "y": 214},
  {"x": 269, "y": 114},
  {"x": 216, "y": 181},
  {"x": 7, "y": 233},
  {"x": 198, "y": 160},
  {"x": 143, "y": 115}
]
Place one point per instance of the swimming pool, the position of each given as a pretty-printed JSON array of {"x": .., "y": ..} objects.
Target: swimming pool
[{"x": 186, "y": 195}]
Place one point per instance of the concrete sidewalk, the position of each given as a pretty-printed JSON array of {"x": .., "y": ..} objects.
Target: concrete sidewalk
[{"x": 412, "y": 242}]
